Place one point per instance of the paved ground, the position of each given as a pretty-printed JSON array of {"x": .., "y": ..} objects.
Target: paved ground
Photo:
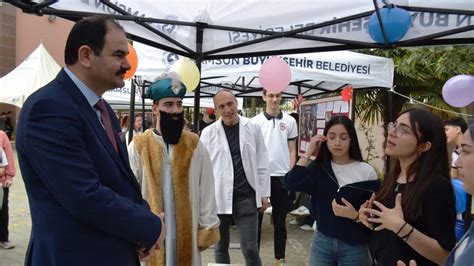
[
  {"x": 297, "y": 246},
  {"x": 297, "y": 250}
]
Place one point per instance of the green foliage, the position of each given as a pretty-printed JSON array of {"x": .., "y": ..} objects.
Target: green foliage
[
  {"x": 369, "y": 106},
  {"x": 420, "y": 73}
]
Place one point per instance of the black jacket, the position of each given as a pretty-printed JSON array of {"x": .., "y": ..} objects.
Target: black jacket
[{"x": 319, "y": 181}]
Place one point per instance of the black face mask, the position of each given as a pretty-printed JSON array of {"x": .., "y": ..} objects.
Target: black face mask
[{"x": 171, "y": 128}]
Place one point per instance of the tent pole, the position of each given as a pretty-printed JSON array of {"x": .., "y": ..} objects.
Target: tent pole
[
  {"x": 382, "y": 27},
  {"x": 353, "y": 103},
  {"x": 131, "y": 117},
  {"x": 197, "y": 91},
  {"x": 298, "y": 100},
  {"x": 388, "y": 119},
  {"x": 145, "y": 125}
]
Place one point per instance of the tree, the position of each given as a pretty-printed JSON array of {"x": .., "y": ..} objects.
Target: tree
[{"x": 420, "y": 73}]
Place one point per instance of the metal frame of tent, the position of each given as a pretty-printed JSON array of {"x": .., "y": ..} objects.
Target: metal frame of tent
[
  {"x": 43, "y": 8},
  {"x": 433, "y": 39}
]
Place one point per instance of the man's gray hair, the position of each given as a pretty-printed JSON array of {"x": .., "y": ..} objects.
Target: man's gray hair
[{"x": 222, "y": 91}]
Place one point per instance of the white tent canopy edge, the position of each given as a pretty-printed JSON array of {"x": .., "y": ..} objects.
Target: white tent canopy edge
[{"x": 329, "y": 70}]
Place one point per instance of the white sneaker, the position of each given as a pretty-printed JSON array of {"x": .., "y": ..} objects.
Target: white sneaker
[
  {"x": 306, "y": 227},
  {"x": 301, "y": 211},
  {"x": 280, "y": 262},
  {"x": 268, "y": 210},
  {"x": 7, "y": 245},
  {"x": 293, "y": 222}
]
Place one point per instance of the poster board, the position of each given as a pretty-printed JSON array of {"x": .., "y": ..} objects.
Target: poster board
[{"x": 314, "y": 115}]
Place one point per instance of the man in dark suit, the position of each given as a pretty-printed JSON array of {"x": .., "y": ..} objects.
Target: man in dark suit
[{"x": 86, "y": 205}]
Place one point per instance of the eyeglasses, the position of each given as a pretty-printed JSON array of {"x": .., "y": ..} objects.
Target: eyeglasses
[{"x": 399, "y": 130}]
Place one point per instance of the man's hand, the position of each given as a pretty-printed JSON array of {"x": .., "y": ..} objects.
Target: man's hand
[
  {"x": 161, "y": 240},
  {"x": 143, "y": 254},
  {"x": 264, "y": 205}
]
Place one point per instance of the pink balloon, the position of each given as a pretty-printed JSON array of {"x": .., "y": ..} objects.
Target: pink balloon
[
  {"x": 458, "y": 91},
  {"x": 275, "y": 75}
]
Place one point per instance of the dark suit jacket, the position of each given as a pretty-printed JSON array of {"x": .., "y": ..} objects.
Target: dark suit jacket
[{"x": 86, "y": 205}]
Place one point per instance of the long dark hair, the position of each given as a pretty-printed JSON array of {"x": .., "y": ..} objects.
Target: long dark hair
[
  {"x": 354, "y": 150},
  {"x": 428, "y": 166}
]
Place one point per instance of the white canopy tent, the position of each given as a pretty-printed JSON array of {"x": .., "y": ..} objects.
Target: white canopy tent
[
  {"x": 35, "y": 71},
  {"x": 222, "y": 29},
  {"x": 211, "y": 29},
  {"x": 312, "y": 73}
]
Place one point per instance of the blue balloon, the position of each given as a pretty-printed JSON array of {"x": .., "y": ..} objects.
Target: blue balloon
[{"x": 396, "y": 22}]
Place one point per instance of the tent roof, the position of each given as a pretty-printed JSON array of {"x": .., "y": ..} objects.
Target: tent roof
[
  {"x": 211, "y": 29},
  {"x": 312, "y": 73},
  {"x": 216, "y": 29},
  {"x": 35, "y": 71}
]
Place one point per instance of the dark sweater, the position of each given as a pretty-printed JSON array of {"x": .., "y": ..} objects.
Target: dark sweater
[{"x": 319, "y": 181}]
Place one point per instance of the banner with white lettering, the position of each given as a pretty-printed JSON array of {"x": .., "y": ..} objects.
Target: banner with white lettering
[
  {"x": 275, "y": 16},
  {"x": 330, "y": 70}
]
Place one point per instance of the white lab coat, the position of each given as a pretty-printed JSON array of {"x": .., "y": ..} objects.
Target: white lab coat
[{"x": 254, "y": 160}]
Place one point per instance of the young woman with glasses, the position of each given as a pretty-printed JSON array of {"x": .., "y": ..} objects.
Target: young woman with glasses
[
  {"x": 463, "y": 253},
  {"x": 337, "y": 181},
  {"x": 413, "y": 214}
]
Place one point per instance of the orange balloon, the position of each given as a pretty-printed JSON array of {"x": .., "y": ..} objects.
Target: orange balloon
[{"x": 133, "y": 59}]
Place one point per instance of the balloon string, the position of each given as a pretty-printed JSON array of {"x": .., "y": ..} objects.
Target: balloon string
[{"x": 430, "y": 106}]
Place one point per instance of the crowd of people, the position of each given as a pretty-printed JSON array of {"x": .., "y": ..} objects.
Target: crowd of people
[{"x": 169, "y": 194}]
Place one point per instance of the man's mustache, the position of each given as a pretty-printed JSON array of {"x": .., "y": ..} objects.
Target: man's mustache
[
  {"x": 121, "y": 71},
  {"x": 175, "y": 116}
]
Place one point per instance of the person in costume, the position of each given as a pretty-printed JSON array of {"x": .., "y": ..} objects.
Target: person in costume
[{"x": 175, "y": 174}]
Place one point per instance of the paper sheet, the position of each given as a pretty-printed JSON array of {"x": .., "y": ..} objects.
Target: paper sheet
[
  {"x": 329, "y": 106},
  {"x": 321, "y": 124},
  {"x": 321, "y": 113},
  {"x": 337, "y": 107},
  {"x": 345, "y": 107}
]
